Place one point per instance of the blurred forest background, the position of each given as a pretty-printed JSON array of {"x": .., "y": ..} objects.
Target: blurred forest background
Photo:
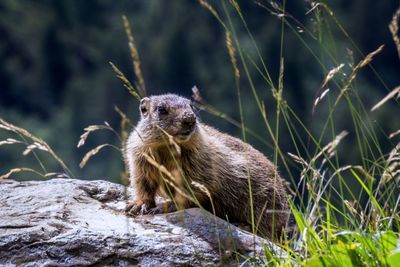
[{"x": 55, "y": 77}]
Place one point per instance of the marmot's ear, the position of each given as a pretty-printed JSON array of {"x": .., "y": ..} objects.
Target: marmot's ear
[{"x": 144, "y": 106}]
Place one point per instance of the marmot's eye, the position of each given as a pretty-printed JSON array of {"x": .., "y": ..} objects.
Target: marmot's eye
[{"x": 162, "y": 110}]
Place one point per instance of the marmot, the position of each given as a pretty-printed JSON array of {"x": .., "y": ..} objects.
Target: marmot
[{"x": 211, "y": 165}]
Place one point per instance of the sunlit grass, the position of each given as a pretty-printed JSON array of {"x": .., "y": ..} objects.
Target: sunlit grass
[{"x": 345, "y": 215}]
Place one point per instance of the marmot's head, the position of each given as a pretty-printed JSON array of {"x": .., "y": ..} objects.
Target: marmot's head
[{"x": 170, "y": 113}]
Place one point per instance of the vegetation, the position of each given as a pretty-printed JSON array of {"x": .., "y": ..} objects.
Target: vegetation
[{"x": 342, "y": 158}]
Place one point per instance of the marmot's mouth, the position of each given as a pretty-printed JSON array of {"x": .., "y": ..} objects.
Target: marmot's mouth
[{"x": 185, "y": 133}]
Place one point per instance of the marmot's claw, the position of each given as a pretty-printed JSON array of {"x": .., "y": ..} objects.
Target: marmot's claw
[
  {"x": 163, "y": 208},
  {"x": 138, "y": 209},
  {"x": 129, "y": 206},
  {"x": 143, "y": 209},
  {"x": 135, "y": 209},
  {"x": 155, "y": 210}
]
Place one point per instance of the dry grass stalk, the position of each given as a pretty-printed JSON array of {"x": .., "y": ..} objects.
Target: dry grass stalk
[
  {"x": 235, "y": 5},
  {"x": 394, "y": 134},
  {"x": 392, "y": 170},
  {"x": 359, "y": 66},
  {"x": 135, "y": 57},
  {"x": 329, "y": 180},
  {"x": 126, "y": 82},
  {"x": 56, "y": 175},
  {"x": 331, "y": 74},
  {"x": 278, "y": 94},
  {"x": 204, "y": 189},
  {"x": 331, "y": 147},
  {"x": 350, "y": 57},
  {"x": 304, "y": 163},
  {"x": 319, "y": 98},
  {"x": 394, "y": 30},
  {"x": 39, "y": 142},
  {"x": 207, "y": 6},
  {"x": 395, "y": 93},
  {"x": 90, "y": 129},
  {"x": 16, "y": 170},
  {"x": 125, "y": 125},
  {"x": 169, "y": 177},
  {"x": 196, "y": 94},
  {"x": 328, "y": 77},
  {"x": 171, "y": 141},
  {"x": 345, "y": 168},
  {"x": 232, "y": 54},
  {"x": 179, "y": 199},
  {"x": 10, "y": 141},
  {"x": 315, "y": 173},
  {"x": 91, "y": 153},
  {"x": 369, "y": 58},
  {"x": 297, "y": 159},
  {"x": 351, "y": 206},
  {"x": 313, "y": 7},
  {"x": 33, "y": 146},
  {"x": 363, "y": 171}
]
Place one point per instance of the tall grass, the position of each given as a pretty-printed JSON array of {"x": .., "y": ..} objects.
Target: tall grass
[
  {"x": 346, "y": 215},
  {"x": 32, "y": 144}
]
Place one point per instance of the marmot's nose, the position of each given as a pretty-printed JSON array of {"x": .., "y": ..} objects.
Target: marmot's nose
[{"x": 188, "y": 121}]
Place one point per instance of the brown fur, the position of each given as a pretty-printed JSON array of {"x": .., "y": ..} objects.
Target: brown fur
[{"x": 216, "y": 160}]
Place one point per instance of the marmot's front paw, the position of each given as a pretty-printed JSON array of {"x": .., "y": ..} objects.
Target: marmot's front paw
[
  {"x": 165, "y": 207},
  {"x": 139, "y": 208}
]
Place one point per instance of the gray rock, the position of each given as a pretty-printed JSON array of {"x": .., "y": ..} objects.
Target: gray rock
[{"x": 67, "y": 222}]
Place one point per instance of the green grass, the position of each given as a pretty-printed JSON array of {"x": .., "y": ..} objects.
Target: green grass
[{"x": 346, "y": 215}]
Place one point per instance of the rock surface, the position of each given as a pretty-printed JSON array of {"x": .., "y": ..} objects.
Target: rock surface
[{"x": 67, "y": 222}]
